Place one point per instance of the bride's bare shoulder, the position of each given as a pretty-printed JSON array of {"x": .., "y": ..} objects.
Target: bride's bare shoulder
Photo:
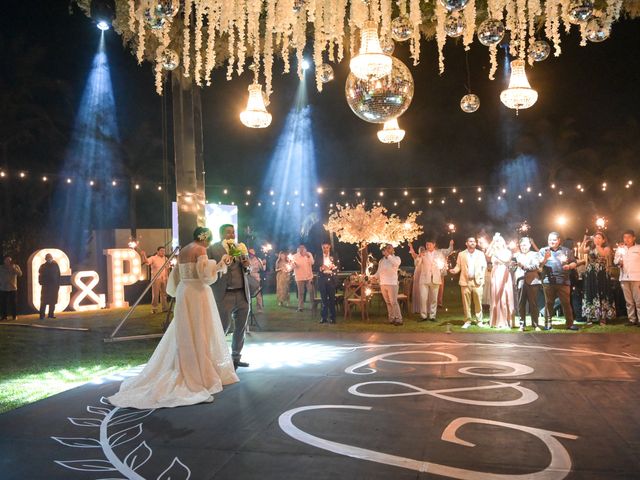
[{"x": 191, "y": 252}]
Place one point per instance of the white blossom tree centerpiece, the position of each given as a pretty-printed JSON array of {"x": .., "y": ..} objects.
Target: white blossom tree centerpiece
[{"x": 363, "y": 227}]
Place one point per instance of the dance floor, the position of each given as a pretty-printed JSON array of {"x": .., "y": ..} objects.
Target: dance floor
[{"x": 361, "y": 406}]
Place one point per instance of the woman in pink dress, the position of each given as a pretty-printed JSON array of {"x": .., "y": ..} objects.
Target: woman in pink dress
[{"x": 501, "y": 301}]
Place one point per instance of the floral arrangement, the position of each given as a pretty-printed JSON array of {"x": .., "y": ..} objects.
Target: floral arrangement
[
  {"x": 204, "y": 34},
  {"x": 236, "y": 249},
  {"x": 355, "y": 224}
]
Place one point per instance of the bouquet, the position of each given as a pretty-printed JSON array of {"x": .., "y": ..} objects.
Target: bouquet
[{"x": 236, "y": 249}]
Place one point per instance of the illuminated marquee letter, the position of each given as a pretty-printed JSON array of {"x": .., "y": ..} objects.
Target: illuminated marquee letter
[
  {"x": 35, "y": 289},
  {"x": 124, "y": 267},
  {"x": 85, "y": 291}
]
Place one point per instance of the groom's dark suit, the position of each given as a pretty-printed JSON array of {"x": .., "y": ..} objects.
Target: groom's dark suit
[{"x": 231, "y": 292}]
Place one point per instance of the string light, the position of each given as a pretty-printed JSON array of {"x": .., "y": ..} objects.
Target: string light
[
  {"x": 159, "y": 187},
  {"x": 2, "y": 174},
  {"x": 454, "y": 190},
  {"x": 44, "y": 179},
  {"x": 68, "y": 180},
  {"x": 406, "y": 193},
  {"x": 479, "y": 189},
  {"x": 319, "y": 190},
  {"x": 137, "y": 186},
  {"x": 114, "y": 183},
  {"x": 91, "y": 183},
  {"x": 248, "y": 192},
  {"x": 22, "y": 174},
  {"x": 225, "y": 191}
]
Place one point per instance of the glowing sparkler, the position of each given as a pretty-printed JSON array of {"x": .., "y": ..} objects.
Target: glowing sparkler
[
  {"x": 523, "y": 228},
  {"x": 512, "y": 245},
  {"x": 452, "y": 228},
  {"x": 133, "y": 244},
  {"x": 601, "y": 223},
  {"x": 266, "y": 248}
]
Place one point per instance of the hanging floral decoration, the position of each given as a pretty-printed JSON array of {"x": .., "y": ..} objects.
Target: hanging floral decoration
[{"x": 209, "y": 34}]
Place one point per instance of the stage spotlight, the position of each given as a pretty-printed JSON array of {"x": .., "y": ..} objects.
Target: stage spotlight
[
  {"x": 305, "y": 65},
  {"x": 102, "y": 25}
]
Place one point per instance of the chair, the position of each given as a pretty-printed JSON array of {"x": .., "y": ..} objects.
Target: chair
[
  {"x": 354, "y": 296},
  {"x": 404, "y": 295}
]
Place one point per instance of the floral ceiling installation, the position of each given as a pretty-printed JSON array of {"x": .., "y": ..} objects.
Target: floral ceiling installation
[{"x": 234, "y": 34}]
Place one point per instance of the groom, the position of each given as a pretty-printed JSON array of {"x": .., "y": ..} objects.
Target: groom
[{"x": 231, "y": 292}]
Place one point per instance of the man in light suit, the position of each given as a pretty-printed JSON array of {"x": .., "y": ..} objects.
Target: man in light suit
[
  {"x": 432, "y": 264},
  {"x": 472, "y": 265},
  {"x": 231, "y": 292}
]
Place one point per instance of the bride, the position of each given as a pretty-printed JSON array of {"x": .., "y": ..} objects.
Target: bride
[{"x": 192, "y": 361}]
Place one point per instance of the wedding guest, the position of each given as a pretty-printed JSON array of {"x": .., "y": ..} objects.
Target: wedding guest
[
  {"x": 9, "y": 273},
  {"x": 446, "y": 252},
  {"x": 159, "y": 286},
  {"x": 598, "y": 304},
  {"x": 415, "y": 284},
  {"x": 49, "y": 279},
  {"x": 283, "y": 279},
  {"x": 231, "y": 291},
  {"x": 528, "y": 283},
  {"x": 387, "y": 275},
  {"x": 431, "y": 264},
  {"x": 557, "y": 263},
  {"x": 472, "y": 265},
  {"x": 257, "y": 265},
  {"x": 577, "y": 281},
  {"x": 302, "y": 270},
  {"x": 327, "y": 284},
  {"x": 628, "y": 259},
  {"x": 501, "y": 300}
]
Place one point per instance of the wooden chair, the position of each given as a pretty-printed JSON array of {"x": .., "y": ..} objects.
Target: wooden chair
[
  {"x": 404, "y": 294},
  {"x": 354, "y": 297}
]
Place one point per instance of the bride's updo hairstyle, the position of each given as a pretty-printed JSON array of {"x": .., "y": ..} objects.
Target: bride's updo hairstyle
[{"x": 202, "y": 234}]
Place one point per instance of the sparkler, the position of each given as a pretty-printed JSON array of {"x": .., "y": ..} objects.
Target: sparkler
[
  {"x": 523, "y": 228},
  {"x": 452, "y": 228},
  {"x": 133, "y": 244},
  {"x": 266, "y": 248},
  {"x": 601, "y": 223},
  {"x": 512, "y": 245}
]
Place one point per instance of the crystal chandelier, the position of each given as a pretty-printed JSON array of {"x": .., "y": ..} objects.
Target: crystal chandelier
[
  {"x": 519, "y": 95},
  {"x": 255, "y": 115},
  {"x": 371, "y": 63},
  {"x": 391, "y": 132}
]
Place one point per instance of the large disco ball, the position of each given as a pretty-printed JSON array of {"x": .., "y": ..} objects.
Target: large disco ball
[
  {"x": 387, "y": 44},
  {"x": 470, "y": 103},
  {"x": 580, "y": 11},
  {"x": 539, "y": 51},
  {"x": 490, "y": 32},
  {"x": 326, "y": 73},
  {"x": 596, "y": 30},
  {"x": 454, "y": 5},
  {"x": 154, "y": 19},
  {"x": 386, "y": 98},
  {"x": 167, "y": 8},
  {"x": 169, "y": 59},
  {"x": 454, "y": 25},
  {"x": 401, "y": 28}
]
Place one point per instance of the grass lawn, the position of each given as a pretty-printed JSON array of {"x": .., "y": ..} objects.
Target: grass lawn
[{"x": 37, "y": 363}]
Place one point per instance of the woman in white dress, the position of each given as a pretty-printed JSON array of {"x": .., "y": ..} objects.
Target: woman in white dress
[{"x": 192, "y": 361}]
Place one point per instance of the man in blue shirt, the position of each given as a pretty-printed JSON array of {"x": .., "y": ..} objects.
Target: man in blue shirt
[{"x": 557, "y": 263}]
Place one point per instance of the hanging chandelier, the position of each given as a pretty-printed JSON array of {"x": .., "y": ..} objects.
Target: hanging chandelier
[
  {"x": 519, "y": 95},
  {"x": 371, "y": 63},
  {"x": 255, "y": 115},
  {"x": 391, "y": 132}
]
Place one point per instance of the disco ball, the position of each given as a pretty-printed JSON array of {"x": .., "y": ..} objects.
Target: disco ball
[
  {"x": 490, "y": 32},
  {"x": 387, "y": 44},
  {"x": 454, "y": 5},
  {"x": 470, "y": 103},
  {"x": 596, "y": 30},
  {"x": 326, "y": 73},
  {"x": 169, "y": 59},
  {"x": 401, "y": 28},
  {"x": 154, "y": 19},
  {"x": 539, "y": 51},
  {"x": 166, "y": 8},
  {"x": 386, "y": 98},
  {"x": 454, "y": 25},
  {"x": 580, "y": 11}
]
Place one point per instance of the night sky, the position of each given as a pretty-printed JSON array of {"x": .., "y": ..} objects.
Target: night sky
[{"x": 584, "y": 128}]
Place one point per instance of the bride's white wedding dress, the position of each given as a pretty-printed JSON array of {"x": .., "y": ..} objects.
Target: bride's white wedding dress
[{"x": 192, "y": 360}]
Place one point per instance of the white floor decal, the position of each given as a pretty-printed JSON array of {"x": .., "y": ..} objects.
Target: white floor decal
[{"x": 559, "y": 466}]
